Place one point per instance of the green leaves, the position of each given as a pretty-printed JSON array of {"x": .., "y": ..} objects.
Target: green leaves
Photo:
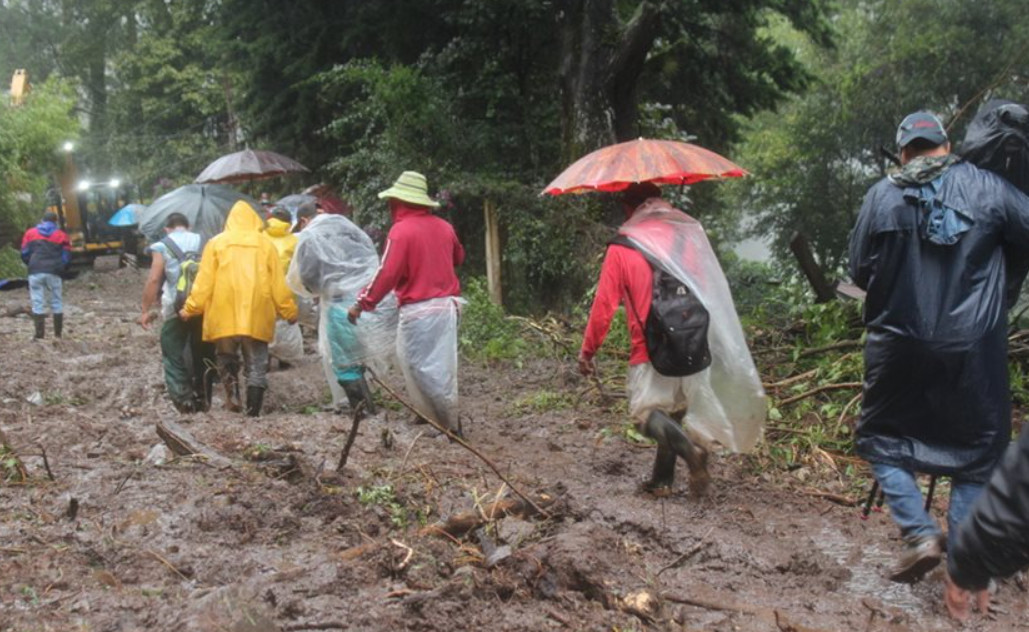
[{"x": 31, "y": 136}]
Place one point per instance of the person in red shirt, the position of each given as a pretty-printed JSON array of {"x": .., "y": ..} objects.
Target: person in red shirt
[
  {"x": 418, "y": 265},
  {"x": 627, "y": 278}
]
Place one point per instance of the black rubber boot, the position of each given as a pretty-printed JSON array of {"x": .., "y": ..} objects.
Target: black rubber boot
[
  {"x": 663, "y": 478},
  {"x": 255, "y": 397},
  {"x": 40, "y": 321},
  {"x": 58, "y": 325},
  {"x": 358, "y": 396},
  {"x": 661, "y": 428}
]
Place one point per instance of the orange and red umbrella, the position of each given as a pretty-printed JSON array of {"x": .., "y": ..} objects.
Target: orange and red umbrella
[{"x": 615, "y": 167}]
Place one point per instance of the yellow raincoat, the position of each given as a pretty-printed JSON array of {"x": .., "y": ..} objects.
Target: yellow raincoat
[
  {"x": 240, "y": 284},
  {"x": 285, "y": 241}
]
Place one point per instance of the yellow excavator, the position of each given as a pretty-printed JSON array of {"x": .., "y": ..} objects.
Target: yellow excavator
[{"x": 84, "y": 206}]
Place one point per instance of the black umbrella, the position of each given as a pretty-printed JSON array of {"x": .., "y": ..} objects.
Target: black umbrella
[
  {"x": 205, "y": 206},
  {"x": 247, "y": 165}
]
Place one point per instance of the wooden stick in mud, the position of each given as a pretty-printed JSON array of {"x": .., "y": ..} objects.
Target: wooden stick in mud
[
  {"x": 461, "y": 442},
  {"x": 181, "y": 442},
  {"x": 358, "y": 414}
]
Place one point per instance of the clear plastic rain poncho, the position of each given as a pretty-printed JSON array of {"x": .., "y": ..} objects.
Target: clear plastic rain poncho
[
  {"x": 427, "y": 348},
  {"x": 334, "y": 260},
  {"x": 726, "y": 400}
]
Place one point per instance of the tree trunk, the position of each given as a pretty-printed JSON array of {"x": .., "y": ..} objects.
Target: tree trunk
[{"x": 601, "y": 62}]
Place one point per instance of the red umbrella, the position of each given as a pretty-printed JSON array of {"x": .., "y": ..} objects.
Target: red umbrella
[
  {"x": 247, "y": 165},
  {"x": 615, "y": 167}
]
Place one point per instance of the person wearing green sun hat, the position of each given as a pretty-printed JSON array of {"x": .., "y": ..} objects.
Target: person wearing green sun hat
[{"x": 418, "y": 264}]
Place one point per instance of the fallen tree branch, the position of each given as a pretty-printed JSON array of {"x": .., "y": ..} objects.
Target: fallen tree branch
[
  {"x": 839, "y": 499},
  {"x": 461, "y": 442},
  {"x": 800, "y": 377},
  {"x": 181, "y": 442},
  {"x": 820, "y": 389},
  {"x": 46, "y": 463},
  {"x": 836, "y": 346}
]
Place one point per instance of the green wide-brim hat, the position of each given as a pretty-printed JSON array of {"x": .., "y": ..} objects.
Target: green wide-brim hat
[{"x": 410, "y": 187}]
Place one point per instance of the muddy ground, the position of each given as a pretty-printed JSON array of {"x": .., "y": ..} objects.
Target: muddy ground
[{"x": 277, "y": 541}]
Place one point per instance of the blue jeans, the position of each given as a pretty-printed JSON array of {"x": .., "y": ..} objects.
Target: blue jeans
[
  {"x": 39, "y": 285},
  {"x": 907, "y": 506},
  {"x": 255, "y": 359}
]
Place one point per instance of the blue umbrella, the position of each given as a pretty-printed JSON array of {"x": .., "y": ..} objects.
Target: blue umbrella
[{"x": 127, "y": 215}]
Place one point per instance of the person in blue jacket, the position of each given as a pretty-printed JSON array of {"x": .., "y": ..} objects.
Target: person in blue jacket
[
  {"x": 929, "y": 249},
  {"x": 46, "y": 251}
]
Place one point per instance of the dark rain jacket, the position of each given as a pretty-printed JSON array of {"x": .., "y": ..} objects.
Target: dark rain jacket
[
  {"x": 994, "y": 539},
  {"x": 936, "y": 392},
  {"x": 45, "y": 249}
]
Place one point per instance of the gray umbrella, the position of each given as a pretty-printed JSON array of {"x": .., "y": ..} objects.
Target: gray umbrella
[
  {"x": 205, "y": 206},
  {"x": 247, "y": 165}
]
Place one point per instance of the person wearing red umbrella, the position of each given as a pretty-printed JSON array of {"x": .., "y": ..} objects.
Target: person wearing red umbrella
[{"x": 626, "y": 278}]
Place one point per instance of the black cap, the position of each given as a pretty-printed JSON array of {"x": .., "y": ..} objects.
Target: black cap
[{"x": 921, "y": 125}]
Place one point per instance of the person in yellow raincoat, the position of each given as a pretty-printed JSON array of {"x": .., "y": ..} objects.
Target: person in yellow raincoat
[
  {"x": 288, "y": 344},
  {"x": 239, "y": 288}
]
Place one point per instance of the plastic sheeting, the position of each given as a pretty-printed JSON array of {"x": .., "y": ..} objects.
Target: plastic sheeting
[
  {"x": 427, "y": 349},
  {"x": 726, "y": 401},
  {"x": 288, "y": 344},
  {"x": 334, "y": 260}
]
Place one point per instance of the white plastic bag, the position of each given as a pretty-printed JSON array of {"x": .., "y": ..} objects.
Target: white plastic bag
[
  {"x": 427, "y": 350},
  {"x": 288, "y": 344},
  {"x": 726, "y": 400}
]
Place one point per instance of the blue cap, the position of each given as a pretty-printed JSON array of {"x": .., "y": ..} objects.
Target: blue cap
[{"x": 921, "y": 125}]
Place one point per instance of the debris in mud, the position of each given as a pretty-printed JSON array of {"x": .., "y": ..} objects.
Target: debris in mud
[
  {"x": 642, "y": 603},
  {"x": 461, "y": 524},
  {"x": 814, "y": 563},
  {"x": 183, "y": 443}
]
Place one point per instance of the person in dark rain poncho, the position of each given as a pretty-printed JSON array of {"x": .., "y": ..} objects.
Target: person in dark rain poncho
[{"x": 928, "y": 248}]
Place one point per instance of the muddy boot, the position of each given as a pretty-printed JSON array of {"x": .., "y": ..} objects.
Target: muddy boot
[
  {"x": 663, "y": 477},
  {"x": 920, "y": 556},
  {"x": 232, "y": 402},
  {"x": 255, "y": 397},
  {"x": 40, "y": 321},
  {"x": 58, "y": 325},
  {"x": 661, "y": 428},
  {"x": 360, "y": 404}
]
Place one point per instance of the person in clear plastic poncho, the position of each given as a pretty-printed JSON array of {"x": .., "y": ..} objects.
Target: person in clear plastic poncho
[
  {"x": 333, "y": 260},
  {"x": 726, "y": 403}
]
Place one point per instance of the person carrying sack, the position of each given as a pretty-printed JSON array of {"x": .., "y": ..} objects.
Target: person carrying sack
[
  {"x": 188, "y": 361},
  {"x": 689, "y": 361}
]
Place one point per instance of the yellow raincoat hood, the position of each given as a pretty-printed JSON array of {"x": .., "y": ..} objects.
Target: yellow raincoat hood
[
  {"x": 284, "y": 240},
  {"x": 241, "y": 285}
]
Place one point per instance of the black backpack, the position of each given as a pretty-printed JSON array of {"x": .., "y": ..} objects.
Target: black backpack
[
  {"x": 676, "y": 327},
  {"x": 189, "y": 265}
]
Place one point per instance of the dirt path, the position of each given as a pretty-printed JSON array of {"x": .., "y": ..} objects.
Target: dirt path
[{"x": 276, "y": 541}]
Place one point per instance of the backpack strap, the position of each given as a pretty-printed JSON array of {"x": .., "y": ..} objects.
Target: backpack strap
[
  {"x": 622, "y": 240},
  {"x": 174, "y": 248}
]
